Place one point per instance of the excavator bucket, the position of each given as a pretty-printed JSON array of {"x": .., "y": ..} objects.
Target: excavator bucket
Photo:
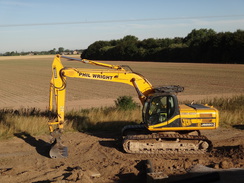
[{"x": 58, "y": 150}]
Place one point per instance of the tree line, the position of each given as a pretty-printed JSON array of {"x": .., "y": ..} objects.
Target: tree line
[
  {"x": 53, "y": 51},
  {"x": 199, "y": 46}
]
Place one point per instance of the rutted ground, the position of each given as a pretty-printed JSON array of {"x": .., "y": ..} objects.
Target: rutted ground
[{"x": 25, "y": 158}]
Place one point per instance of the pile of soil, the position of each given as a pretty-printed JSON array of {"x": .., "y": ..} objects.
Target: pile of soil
[{"x": 98, "y": 157}]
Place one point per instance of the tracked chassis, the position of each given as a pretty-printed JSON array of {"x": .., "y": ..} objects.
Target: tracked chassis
[{"x": 136, "y": 139}]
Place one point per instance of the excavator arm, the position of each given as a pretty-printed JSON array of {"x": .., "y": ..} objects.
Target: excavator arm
[{"x": 112, "y": 73}]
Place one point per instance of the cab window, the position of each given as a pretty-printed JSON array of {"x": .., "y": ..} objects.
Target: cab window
[{"x": 160, "y": 109}]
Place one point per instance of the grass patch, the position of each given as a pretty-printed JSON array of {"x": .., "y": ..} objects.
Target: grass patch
[
  {"x": 125, "y": 112},
  {"x": 106, "y": 118},
  {"x": 35, "y": 122},
  {"x": 31, "y": 121}
]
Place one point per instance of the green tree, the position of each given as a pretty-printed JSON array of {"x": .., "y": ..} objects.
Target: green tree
[
  {"x": 203, "y": 45},
  {"x": 60, "y": 49},
  {"x": 196, "y": 37},
  {"x": 149, "y": 43},
  {"x": 95, "y": 51},
  {"x": 53, "y": 51},
  {"x": 130, "y": 39},
  {"x": 126, "y": 103}
]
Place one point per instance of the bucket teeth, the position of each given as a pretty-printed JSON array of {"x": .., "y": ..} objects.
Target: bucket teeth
[{"x": 58, "y": 150}]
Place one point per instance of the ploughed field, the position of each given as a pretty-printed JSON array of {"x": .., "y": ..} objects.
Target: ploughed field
[
  {"x": 98, "y": 156},
  {"x": 25, "y": 82}
]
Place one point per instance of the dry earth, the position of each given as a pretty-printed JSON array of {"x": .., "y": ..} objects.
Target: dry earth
[{"x": 98, "y": 157}]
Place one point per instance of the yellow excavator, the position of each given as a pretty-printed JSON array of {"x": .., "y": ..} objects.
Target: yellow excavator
[{"x": 166, "y": 127}]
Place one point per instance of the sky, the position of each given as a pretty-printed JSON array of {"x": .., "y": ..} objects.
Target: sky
[{"x": 41, "y": 25}]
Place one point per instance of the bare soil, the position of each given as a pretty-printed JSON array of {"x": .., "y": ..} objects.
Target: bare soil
[
  {"x": 25, "y": 82},
  {"x": 98, "y": 157}
]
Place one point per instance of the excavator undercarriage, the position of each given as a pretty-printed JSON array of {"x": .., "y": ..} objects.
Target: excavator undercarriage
[{"x": 137, "y": 139}]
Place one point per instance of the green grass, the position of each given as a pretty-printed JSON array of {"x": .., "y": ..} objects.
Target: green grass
[{"x": 35, "y": 122}]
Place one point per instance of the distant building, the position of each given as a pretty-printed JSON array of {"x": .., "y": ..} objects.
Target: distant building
[
  {"x": 73, "y": 52},
  {"x": 31, "y": 53}
]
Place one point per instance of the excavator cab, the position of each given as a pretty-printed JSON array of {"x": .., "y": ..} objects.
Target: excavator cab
[{"x": 160, "y": 108}]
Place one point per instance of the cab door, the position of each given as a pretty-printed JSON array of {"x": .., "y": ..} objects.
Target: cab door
[{"x": 159, "y": 109}]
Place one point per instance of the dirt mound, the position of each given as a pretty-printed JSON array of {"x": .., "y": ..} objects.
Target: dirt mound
[
  {"x": 98, "y": 157},
  {"x": 234, "y": 152}
]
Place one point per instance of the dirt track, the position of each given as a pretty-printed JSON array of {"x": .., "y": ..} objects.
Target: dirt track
[{"x": 25, "y": 158}]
